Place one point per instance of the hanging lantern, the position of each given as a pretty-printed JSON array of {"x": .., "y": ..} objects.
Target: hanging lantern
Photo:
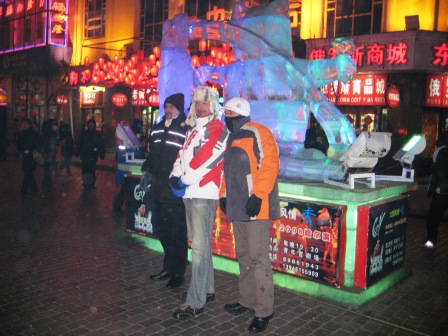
[
  {"x": 154, "y": 71},
  {"x": 86, "y": 61},
  {"x": 226, "y": 47},
  {"x": 152, "y": 59},
  {"x": 214, "y": 51},
  {"x": 194, "y": 61},
  {"x": 101, "y": 62},
  {"x": 115, "y": 59},
  {"x": 202, "y": 60},
  {"x": 202, "y": 45},
  {"x": 156, "y": 51}
]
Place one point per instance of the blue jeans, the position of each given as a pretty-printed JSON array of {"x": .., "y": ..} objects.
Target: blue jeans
[{"x": 200, "y": 219}]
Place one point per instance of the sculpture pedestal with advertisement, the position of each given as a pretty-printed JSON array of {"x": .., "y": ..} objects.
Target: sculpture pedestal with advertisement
[{"x": 336, "y": 244}]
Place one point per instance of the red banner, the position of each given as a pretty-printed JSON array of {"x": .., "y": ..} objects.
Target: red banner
[
  {"x": 436, "y": 91},
  {"x": 362, "y": 90}
]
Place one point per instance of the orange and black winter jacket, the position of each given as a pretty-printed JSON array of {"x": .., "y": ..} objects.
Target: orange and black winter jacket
[{"x": 251, "y": 166}]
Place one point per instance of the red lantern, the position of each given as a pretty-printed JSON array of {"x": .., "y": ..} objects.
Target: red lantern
[
  {"x": 152, "y": 98},
  {"x": 156, "y": 51},
  {"x": 194, "y": 61},
  {"x": 86, "y": 61},
  {"x": 101, "y": 62},
  {"x": 202, "y": 45},
  {"x": 152, "y": 59},
  {"x": 33, "y": 113}
]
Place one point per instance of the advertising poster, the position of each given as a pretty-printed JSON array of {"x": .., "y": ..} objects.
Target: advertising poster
[
  {"x": 307, "y": 241},
  {"x": 138, "y": 207},
  {"x": 380, "y": 241}
]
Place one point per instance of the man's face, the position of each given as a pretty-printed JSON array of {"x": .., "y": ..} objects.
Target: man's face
[
  {"x": 202, "y": 109},
  {"x": 170, "y": 111}
]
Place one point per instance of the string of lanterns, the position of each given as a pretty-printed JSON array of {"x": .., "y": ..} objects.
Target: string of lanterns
[{"x": 139, "y": 70}]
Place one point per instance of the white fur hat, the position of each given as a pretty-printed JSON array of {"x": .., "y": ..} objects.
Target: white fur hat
[{"x": 204, "y": 95}]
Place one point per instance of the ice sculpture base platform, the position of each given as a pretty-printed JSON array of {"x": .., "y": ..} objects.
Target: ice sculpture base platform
[{"x": 371, "y": 245}]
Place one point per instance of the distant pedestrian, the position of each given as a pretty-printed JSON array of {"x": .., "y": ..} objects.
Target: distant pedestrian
[
  {"x": 67, "y": 148},
  {"x": 438, "y": 191},
  {"x": 28, "y": 142},
  {"x": 50, "y": 143},
  {"x": 3, "y": 141},
  {"x": 90, "y": 146},
  {"x": 249, "y": 197}
]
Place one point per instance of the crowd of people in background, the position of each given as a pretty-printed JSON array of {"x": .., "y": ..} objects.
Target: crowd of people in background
[{"x": 51, "y": 147}]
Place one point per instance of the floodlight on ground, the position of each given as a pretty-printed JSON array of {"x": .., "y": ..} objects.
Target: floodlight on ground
[
  {"x": 405, "y": 155},
  {"x": 363, "y": 154}
]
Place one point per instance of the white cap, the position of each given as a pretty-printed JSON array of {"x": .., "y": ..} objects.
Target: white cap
[{"x": 238, "y": 105}]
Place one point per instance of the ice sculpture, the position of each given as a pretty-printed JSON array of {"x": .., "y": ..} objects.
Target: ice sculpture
[{"x": 282, "y": 90}]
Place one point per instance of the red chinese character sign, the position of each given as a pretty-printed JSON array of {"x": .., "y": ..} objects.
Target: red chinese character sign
[
  {"x": 436, "y": 91},
  {"x": 58, "y": 24},
  {"x": 119, "y": 99},
  {"x": 409, "y": 50},
  {"x": 152, "y": 98},
  {"x": 393, "y": 96},
  {"x": 362, "y": 90},
  {"x": 61, "y": 100}
]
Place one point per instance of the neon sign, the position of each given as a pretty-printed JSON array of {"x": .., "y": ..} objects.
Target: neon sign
[
  {"x": 436, "y": 91},
  {"x": 370, "y": 54}
]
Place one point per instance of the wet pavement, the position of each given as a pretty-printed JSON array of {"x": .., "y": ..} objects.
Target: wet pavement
[{"x": 68, "y": 267}]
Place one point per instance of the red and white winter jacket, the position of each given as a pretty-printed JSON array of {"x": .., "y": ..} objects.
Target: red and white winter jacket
[{"x": 199, "y": 162}]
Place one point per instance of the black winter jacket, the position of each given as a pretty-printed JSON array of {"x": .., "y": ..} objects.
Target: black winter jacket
[
  {"x": 164, "y": 144},
  {"x": 90, "y": 145},
  {"x": 439, "y": 177},
  {"x": 29, "y": 141}
]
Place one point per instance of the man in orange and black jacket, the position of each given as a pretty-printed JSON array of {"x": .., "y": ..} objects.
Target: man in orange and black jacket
[{"x": 249, "y": 197}]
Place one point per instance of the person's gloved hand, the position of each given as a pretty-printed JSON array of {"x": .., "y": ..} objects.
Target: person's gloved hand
[
  {"x": 181, "y": 184},
  {"x": 223, "y": 204},
  {"x": 253, "y": 206},
  {"x": 145, "y": 181},
  {"x": 177, "y": 187},
  {"x": 174, "y": 182}
]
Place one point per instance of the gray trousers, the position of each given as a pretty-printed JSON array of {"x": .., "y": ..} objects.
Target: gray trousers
[
  {"x": 255, "y": 283},
  {"x": 200, "y": 215}
]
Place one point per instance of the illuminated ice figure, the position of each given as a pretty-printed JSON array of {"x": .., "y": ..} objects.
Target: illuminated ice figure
[{"x": 282, "y": 90}]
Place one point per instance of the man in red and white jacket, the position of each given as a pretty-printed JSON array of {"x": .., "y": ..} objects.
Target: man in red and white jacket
[{"x": 197, "y": 177}]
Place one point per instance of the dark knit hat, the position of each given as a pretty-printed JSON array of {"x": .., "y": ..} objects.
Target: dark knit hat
[{"x": 177, "y": 100}]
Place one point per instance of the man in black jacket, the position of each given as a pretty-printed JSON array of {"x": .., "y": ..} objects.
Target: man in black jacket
[
  {"x": 438, "y": 191},
  {"x": 29, "y": 142},
  {"x": 89, "y": 147},
  {"x": 169, "y": 220}
]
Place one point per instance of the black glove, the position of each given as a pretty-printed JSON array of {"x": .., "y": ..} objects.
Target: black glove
[
  {"x": 222, "y": 204},
  {"x": 174, "y": 182},
  {"x": 253, "y": 206}
]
